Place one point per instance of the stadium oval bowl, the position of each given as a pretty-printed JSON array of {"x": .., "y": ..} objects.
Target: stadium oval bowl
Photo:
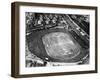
[{"x": 39, "y": 45}]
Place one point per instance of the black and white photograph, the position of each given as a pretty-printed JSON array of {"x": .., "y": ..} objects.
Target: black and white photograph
[
  {"x": 56, "y": 39},
  {"x": 52, "y": 39}
]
